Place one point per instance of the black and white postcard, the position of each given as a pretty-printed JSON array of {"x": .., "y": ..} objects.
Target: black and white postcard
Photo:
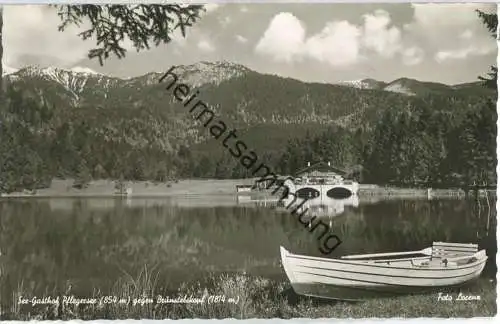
[{"x": 248, "y": 161}]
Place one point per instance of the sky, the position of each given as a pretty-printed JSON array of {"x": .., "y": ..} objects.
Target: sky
[{"x": 328, "y": 43}]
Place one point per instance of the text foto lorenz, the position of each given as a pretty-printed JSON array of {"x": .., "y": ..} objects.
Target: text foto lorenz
[{"x": 103, "y": 300}]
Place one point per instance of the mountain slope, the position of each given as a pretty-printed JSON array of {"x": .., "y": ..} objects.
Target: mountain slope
[
  {"x": 77, "y": 123},
  {"x": 412, "y": 87},
  {"x": 415, "y": 87},
  {"x": 241, "y": 97}
]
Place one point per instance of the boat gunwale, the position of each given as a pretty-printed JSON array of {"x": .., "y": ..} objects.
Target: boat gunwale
[
  {"x": 288, "y": 254},
  {"x": 378, "y": 274}
]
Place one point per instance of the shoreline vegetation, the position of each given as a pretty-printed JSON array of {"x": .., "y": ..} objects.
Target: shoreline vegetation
[
  {"x": 207, "y": 187},
  {"x": 257, "y": 297}
]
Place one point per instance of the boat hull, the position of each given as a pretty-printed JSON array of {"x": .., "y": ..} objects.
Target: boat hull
[{"x": 354, "y": 280}]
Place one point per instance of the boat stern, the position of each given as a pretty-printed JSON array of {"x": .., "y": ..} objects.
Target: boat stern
[{"x": 482, "y": 257}]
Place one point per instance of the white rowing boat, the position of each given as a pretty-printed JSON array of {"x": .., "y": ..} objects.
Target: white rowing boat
[{"x": 359, "y": 276}]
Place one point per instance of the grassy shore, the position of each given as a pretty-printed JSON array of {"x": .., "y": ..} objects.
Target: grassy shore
[
  {"x": 106, "y": 188},
  {"x": 253, "y": 297}
]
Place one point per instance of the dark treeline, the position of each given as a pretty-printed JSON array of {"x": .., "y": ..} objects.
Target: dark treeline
[
  {"x": 39, "y": 143},
  {"x": 437, "y": 148},
  {"x": 411, "y": 147}
]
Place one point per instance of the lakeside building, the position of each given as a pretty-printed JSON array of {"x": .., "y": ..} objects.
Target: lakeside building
[
  {"x": 322, "y": 180},
  {"x": 317, "y": 180}
]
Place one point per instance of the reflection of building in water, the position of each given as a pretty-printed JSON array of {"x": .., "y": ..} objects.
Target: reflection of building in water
[
  {"x": 319, "y": 207},
  {"x": 324, "y": 207},
  {"x": 243, "y": 199},
  {"x": 259, "y": 201}
]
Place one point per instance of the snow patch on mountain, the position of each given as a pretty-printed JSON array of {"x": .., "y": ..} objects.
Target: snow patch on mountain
[
  {"x": 398, "y": 87},
  {"x": 360, "y": 84},
  {"x": 84, "y": 70},
  {"x": 363, "y": 84},
  {"x": 73, "y": 80},
  {"x": 403, "y": 85},
  {"x": 66, "y": 78}
]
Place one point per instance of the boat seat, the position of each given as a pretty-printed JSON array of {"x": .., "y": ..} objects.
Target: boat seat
[
  {"x": 442, "y": 250},
  {"x": 458, "y": 253}
]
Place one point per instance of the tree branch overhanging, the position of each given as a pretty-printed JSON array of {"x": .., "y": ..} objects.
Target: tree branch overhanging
[{"x": 143, "y": 25}]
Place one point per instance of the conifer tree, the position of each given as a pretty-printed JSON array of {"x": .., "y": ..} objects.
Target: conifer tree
[
  {"x": 491, "y": 22},
  {"x": 1, "y": 55}
]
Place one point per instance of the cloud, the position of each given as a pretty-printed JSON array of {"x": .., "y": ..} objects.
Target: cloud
[
  {"x": 224, "y": 21},
  {"x": 378, "y": 36},
  {"x": 241, "y": 39},
  {"x": 467, "y": 34},
  {"x": 431, "y": 16},
  {"x": 178, "y": 39},
  {"x": 28, "y": 29},
  {"x": 453, "y": 31},
  {"x": 284, "y": 38},
  {"x": 412, "y": 55},
  {"x": 341, "y": 43},
  {"x": 205, "y": 46},
  {"x": 436, "y": 22},
  {"x": 337, "y": 44},
  {"x": 463, "y": 53},
  {"x": 446, "y": 31}
]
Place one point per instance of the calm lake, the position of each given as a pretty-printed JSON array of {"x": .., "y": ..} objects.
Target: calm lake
[{"x": 90, "y": 243}]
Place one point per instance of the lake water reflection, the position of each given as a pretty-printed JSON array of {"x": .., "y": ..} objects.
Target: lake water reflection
[{"x": 92, "y": 242}]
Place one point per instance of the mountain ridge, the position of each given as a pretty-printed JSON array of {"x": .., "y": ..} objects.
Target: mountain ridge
[
  {"x": 240, "y": 95},
  {"x": 203, "y": 72}
]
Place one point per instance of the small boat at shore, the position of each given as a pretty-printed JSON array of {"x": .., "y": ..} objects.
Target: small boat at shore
[{"x": 356, "y": 277}]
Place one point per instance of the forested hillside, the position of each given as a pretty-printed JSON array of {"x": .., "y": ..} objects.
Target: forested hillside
[
  {"x": 85, "y": 126},
  {"x": 419, "y": 145}
]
